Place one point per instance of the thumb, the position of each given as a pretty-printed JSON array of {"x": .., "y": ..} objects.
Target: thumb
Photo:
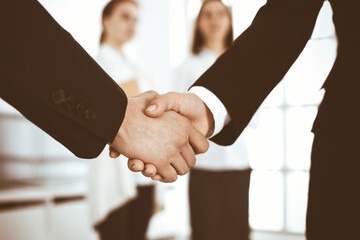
[{"x": 162, "y": 103}]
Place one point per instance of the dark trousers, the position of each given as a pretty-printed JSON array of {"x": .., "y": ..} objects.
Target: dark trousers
[
  {"x": 129, "y": 222},
  {"x": 219, "y": 204},
  {"x": 334, "y": 191}
]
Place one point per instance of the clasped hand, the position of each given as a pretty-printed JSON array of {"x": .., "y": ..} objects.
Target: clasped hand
[{"x": 161, "y": 134}]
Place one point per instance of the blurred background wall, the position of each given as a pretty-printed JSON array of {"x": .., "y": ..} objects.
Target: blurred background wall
[{"x": 41, "y": 181}]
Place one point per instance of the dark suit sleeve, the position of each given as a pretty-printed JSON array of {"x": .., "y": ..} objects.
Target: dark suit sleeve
[
  {"x": 256, "y": 62},
  {"x": 52, "y": 81}
]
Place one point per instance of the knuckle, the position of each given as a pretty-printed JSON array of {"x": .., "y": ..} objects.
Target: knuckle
[
  {"x": 204, "y": 147},
  {"x": 170, "y": 94},
  {"x": 162, "y": 163},
  {"x": 172, "y": 151},
  {"x": 183, "y": 172},
  {"x": 172, "y": 178},
  {"x": 152, "y": 92},
  {"x": 183, "y": 141},
  {"x": 161, "y": 98},
  {"x": 192, "y": 163}
]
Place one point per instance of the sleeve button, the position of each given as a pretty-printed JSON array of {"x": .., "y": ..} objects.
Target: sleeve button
[
  {"x": 89, "y": 114},
  {"x": 70, "y": 103},
  {"x": 58, "y": 97},
  {"x": 80, "y": 108}
]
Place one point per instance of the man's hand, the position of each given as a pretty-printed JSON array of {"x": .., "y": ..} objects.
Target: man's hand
[
  {"x": 166, "y": 143},
  {"x": 186, "y": 104}
]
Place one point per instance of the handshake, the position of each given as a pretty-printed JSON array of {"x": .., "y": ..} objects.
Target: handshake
[{"x": 161, "y": 134}]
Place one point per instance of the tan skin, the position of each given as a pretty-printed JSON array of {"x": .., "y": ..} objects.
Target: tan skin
[
  {"x": 195, "y": 111},
  {"x": 120, "y": 26},
  {"x": 167, "y": 143},
  {"x": 214, "y": 24}
]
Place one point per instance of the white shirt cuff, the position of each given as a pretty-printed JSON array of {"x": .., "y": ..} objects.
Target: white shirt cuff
[{"x": 217, "y": 108}]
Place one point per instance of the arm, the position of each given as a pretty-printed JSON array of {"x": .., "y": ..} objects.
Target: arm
[
  {"x": 247, "y": 72},
  {"x": 53, "y": 82},
  {"x": 258, "y": 60}
]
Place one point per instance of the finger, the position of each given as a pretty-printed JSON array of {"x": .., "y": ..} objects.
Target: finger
[
  {"x": 149, "y": 170},
  {"x": 164, "y": 181},
  {"x": 135, "y": 165},
  {"x": 157, "y": 177},
  {"x": 148, "y": 95},
  {"x": 113, "y": 153},
  {"x": 189, "y": 155},
  {"x": 198, "y": 141},
  {"x": 180, "y": 166},
  {"x": 165, "y": 102},
  {"x": 168, "y": 173}
]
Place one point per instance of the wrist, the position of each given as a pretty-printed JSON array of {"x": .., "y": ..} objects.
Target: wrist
[
  {"x": 123, "y": 132},
  {"x": 206, "y": 123},
  {"x": 220, "y": 116},
  {"x": 210, "y": 122}
]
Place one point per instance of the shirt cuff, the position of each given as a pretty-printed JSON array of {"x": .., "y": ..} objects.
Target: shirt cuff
[{"x": 217, "y": 108}]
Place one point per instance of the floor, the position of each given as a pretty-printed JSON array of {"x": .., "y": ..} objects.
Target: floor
[
  {"x": 257, "y": 236},
  {"x": 275, "y": 236}
]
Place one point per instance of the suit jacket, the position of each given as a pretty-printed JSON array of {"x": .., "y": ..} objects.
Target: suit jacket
[
  {"x": 261, "y": 56},
  {"x": 51, "y": 80}
]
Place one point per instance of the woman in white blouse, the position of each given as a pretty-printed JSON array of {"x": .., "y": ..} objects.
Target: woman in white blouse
[
  {"x": 121, "y": 202},
  {"x": 219, "y": 182}
]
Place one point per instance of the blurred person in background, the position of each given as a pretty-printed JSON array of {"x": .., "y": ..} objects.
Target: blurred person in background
[
  {"x": 219, "y": 182},
  {"x": 121, "y": 202}
]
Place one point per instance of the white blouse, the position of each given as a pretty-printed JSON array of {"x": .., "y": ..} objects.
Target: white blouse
[
  {"x": 111, "y": 183},
  {"x": 122, "y": 69},
  {"x": 217, "y": 158}
]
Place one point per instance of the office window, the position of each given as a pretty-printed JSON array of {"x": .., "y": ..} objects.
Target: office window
[{"x": 280, "y": 148}]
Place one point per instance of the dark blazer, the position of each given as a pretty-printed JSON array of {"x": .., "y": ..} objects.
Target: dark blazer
[
  {"x": 261, "y": 56},
  {"x": 52, "y": 81}
]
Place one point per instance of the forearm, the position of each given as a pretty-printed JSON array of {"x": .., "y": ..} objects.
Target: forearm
[
  {"x": 245, "y": 74},
  {"x": 50, "y": 79}
]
